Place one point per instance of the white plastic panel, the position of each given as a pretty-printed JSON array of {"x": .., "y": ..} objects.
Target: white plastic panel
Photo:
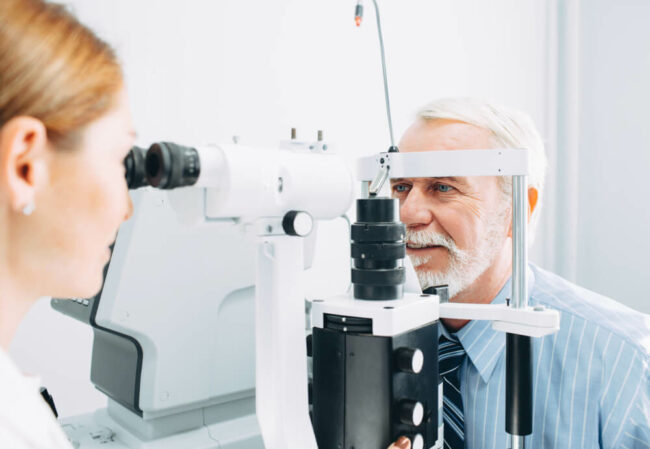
[
  {"x": 264, "y": 182},
  {"x": 431, "y": 164},
  {"x": 531, "y": 321},
  {"x": 185, "y": 293},
  {"x": 389, "y": 318}
]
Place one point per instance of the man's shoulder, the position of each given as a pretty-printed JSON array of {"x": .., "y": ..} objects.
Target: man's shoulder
[{"x": 578, "y": 303}]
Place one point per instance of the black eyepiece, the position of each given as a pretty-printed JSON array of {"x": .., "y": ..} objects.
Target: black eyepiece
[
  {"x": 169, "y": 165},
  {"x": 378, "y": 250},
  {"x": 135, "y": 170}
]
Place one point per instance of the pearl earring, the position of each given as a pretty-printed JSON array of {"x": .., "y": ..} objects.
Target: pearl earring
[{"x": 29, "y": 208}]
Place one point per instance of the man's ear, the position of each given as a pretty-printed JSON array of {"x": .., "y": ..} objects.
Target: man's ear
[
  {"x": 533, "y": 196},
  {"x": 23, "y": 160}
]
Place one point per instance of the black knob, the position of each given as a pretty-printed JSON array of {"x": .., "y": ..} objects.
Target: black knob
[
  {"x": 297, "y": 223},
  {"x": 169, "y": 165},
  {"x": 410, "y": 360},
  {"x": 309, "y": 345},
  {"x": 411, "y": 412},
  {"x": 417, "y": 441},
  {"x": 136, "y": 175}
]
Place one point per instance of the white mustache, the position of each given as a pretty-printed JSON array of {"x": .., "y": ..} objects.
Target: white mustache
[{"x": 429, "y": 238}]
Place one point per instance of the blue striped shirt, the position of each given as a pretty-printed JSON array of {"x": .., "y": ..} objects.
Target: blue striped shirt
[{"x": 591, "y": 379}]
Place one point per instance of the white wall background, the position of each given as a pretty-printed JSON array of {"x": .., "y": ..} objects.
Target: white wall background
[
  {"x": 201, "y": 71},
  {"x": 614, "y": 153},
  {"x": 599, "y": 146}
]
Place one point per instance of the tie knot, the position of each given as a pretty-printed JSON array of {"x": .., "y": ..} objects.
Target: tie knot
[{"x": 450, "y": 356}]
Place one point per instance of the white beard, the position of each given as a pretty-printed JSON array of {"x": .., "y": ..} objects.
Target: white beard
[{"x": 465, "y": 266}]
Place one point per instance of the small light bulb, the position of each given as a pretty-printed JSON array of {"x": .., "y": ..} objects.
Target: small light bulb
[{"x": 358, "y": 13}]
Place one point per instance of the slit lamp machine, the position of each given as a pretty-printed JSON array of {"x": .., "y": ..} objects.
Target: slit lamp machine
[{"x": 199, "y": 330}]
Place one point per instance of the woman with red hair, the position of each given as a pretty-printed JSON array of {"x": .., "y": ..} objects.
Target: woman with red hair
[{"x": 65, "y": 129}]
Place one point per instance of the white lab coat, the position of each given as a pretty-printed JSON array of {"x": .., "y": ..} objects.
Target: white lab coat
[{"x": 26, "y": 421}]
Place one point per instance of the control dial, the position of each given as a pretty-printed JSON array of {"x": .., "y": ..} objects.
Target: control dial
[
  {"x": 411, "y": 412},
  {"x": 410, "y": 360}
]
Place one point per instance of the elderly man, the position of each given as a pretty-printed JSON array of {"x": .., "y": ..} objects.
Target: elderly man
[{"x": 591, "y": 380}]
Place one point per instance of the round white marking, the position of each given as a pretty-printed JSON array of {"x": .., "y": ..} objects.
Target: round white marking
[{"x": 417, "y": 362}]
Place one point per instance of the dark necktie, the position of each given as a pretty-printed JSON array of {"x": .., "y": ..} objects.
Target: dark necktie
[{"x": 450, "y": 357}]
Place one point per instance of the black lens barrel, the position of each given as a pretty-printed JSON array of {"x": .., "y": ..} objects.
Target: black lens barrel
[
  {"x": 377, "y": 250},
  {"x": 136, "y": 176},
  {"x": 169, "y": 165}
]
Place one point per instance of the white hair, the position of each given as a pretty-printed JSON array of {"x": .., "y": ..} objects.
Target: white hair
[{"x": 510, "y": 129}]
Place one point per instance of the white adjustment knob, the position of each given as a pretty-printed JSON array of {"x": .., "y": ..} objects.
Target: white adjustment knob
[
  {"x": 410, "y": 360},
  {"x": 297, "y": 223},
  {"x": 417, "y": 442},
  {"x": 411, "y": 412}
]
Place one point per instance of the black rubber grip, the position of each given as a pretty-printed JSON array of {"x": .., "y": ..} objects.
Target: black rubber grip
[
  {"x": 393, "y": 276},
  {"x": 519, "y": 385},
  {"x": 169, "y": 165},
  {"x": 378, "y": 210},
  {"x": 378, "y": 251},
  {"x": 378, "y": 292},
  {"x": 136, "y": 175},
  {"x": 366, "y": 233}
]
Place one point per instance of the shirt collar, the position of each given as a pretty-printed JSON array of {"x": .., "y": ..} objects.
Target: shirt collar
[{"x": 483, "y": 344}]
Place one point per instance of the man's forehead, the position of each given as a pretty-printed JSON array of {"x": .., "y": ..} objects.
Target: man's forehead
[{"x": 443, "y": 134}]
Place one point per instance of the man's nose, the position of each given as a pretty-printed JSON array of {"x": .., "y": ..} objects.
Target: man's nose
[{"x": 414, "y": 210}]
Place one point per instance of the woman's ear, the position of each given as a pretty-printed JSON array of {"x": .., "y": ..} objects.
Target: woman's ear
[{"x": 23, "y": 160}]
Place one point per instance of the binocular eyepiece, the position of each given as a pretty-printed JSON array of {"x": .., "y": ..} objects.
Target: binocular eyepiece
[{"x": 164, "y": 165}]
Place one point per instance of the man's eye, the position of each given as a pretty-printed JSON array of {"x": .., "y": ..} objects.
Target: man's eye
[
  {"x": 444, "y": 188},
  {"x": 400, "y": 188}
]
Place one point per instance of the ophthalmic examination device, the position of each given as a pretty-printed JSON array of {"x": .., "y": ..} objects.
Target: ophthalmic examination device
[{"x": 199, "y": 329}]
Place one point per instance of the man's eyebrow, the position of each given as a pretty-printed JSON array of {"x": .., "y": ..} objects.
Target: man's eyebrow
[{"x": 441, "y": 178}]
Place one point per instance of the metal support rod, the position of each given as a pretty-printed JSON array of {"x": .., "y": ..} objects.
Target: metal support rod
[
  {"x": 365, "y": 189},
  {"x": 379, "y": 181},
  {"x": 519, "y": 243},
  {"x": 519, "y": 394},
  {"x": 383, "y": 70},
  {"x": 517, "y": 442}
]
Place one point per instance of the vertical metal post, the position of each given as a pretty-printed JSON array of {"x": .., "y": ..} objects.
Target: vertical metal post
[
  {"x": 518, "y": 348},
  {"x": 365, "y": 189},
  {"x": 519, "y": 243},
  {"x": 517, "y": 442}
]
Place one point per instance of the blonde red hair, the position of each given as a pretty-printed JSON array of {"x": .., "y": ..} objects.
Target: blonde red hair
[{"x": 54, "y": 69}]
